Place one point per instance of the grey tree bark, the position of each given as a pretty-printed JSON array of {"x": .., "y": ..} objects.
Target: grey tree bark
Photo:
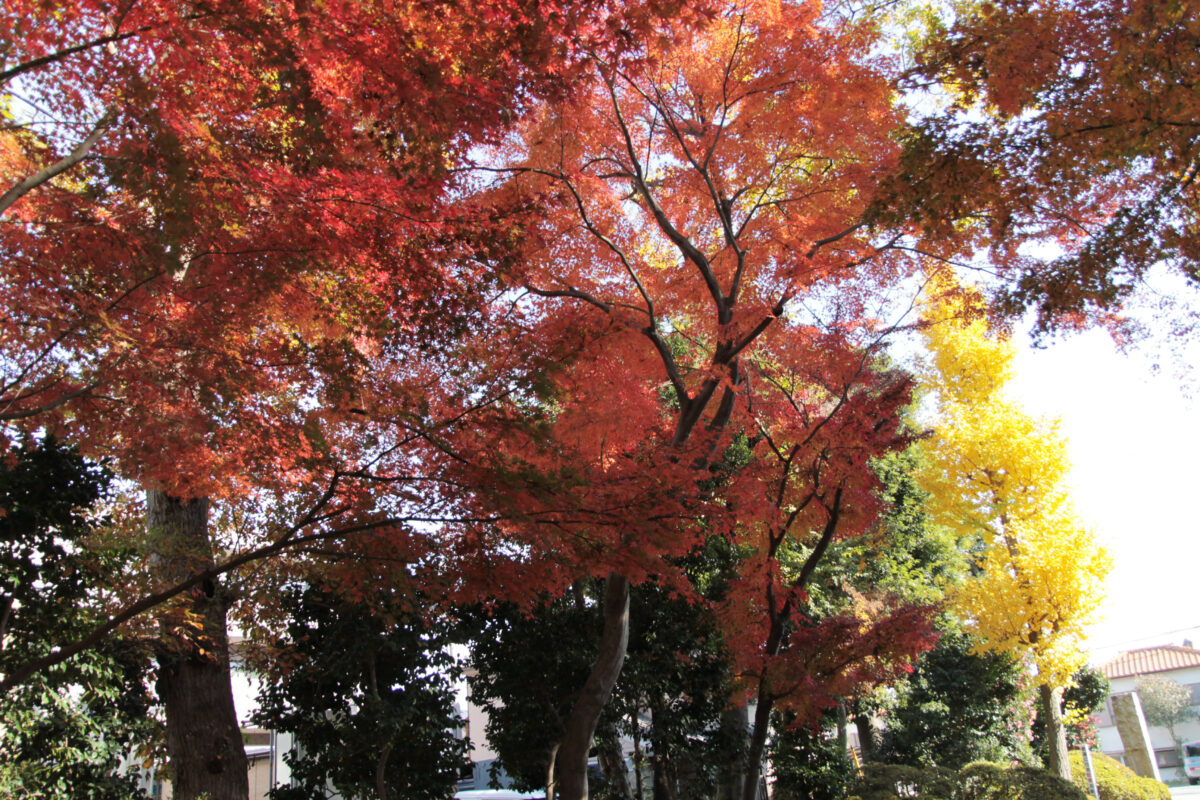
[
  {"x": 204, "y": 743},
  {"x": 867, "y": 742},
  {"x": 1056, "y": 732},
  {"x": 571, "y": 762}
]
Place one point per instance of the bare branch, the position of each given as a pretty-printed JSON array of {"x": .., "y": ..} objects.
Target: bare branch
[
  {"x": 685, "y": 245},
  {"x": 62, "y": 165}
]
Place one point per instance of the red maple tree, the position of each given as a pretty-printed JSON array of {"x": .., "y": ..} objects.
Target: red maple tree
[
  {"x": 222, "y": 221},
  {"x": 690, "y": 210}
]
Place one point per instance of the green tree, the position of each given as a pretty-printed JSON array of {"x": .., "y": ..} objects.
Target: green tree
[
  {"x": 525, "y": 669},
  {"x": 807, "y": 764},
  {"x": 954, "y": 689},
  {"x": 1165, "y": 703},
  {"x": 904, "y": 555},
  {"x": 670, "y": 700},
  {"x": 366, "y": 690},
  {"x": 68, "y": 731},
  {"x": 677, "y": 674}
]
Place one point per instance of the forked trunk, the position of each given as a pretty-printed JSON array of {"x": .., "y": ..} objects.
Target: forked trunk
[
  {"x": 1056, "y": 732},
  {"x": 571, "y": 763},
  {"x": 204, "y": 744}
]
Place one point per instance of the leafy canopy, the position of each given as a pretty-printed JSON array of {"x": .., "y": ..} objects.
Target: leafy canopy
[{"x": 997, "y": 474}]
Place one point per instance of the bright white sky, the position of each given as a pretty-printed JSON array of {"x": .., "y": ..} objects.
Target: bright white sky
[{"x": 1134, "y": 439}]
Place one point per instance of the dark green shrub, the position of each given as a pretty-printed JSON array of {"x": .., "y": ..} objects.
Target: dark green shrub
[
  {"x": 978, "y": 781},
  {"x": 986, "y": 781},
  {"x": 1116, "y": 782},
  {"x": 953, "y": 690},
  {"x": 902, "y": 782}
]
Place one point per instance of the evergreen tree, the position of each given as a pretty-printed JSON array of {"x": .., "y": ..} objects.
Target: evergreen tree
[
  {"x": 959, "y": 706},
  {"x": 68, "y": 731},
  {"x": 366, "y": 691},
  {"x": 807, "y": 764}
]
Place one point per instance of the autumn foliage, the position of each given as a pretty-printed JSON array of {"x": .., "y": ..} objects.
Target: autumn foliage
[
  {"x": 258, "y": 217},
  {"x": 997, "y": 476},
  {"x": 701, "y": 276},
  {"x": 1067, "y": 123},
  {"x": 488, "y": 303}
]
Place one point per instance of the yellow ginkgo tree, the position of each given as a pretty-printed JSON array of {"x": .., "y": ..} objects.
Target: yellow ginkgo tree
[{"x": 996, "y": 475}]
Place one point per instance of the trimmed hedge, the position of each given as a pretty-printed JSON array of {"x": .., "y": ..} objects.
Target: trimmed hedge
[
  {"x": 985, "y": 781},
  {"x": 892, "y": 781},
  {"x": 1115, "y": 781},
  {"x": 978, "y": 781}
]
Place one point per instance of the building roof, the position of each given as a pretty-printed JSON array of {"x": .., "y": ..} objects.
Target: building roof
[{"x": 1148, "y": 660}]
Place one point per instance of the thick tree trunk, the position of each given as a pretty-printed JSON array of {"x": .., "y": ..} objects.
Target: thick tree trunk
[
  {"x": 735, "y": 719},
  {"x": 1056, "y": 733},
  {"x": 204, "y": 744},
  {"x": 867, "y": 746},
  {"x": 571, "y": 764}
]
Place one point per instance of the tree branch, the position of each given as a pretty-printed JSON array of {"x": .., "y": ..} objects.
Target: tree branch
[{"x": 31, "y": 182}]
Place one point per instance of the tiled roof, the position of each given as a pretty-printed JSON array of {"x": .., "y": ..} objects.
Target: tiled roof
[{"x": 1147, "y": 660}]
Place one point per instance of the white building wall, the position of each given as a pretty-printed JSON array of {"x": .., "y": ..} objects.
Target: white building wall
[{"x": 1110, "y": 740}]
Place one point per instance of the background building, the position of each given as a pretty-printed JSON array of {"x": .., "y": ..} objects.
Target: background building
[{"x": 1179, "y": 663}]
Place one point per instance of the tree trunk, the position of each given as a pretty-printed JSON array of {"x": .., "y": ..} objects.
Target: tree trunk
[
  {"x": 735, "y": 719},
  {"x": 551, "y": 781},
  {"x": 571, "y": 764},
  {"x": 612, "y": 764},
  {"x": 638, "y": 757},
  {"x": 204, "y": 743},
  {"x": 662, "y": 779},
  {"x": 1056, "y": 732},
  {"x": 664, "y": 773},
  {"x": 865, "y": 726},
  {"x": 758, "y": 744}
]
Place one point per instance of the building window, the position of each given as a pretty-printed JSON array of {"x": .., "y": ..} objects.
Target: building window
[
  {"x": 1195, "y": 687},
  {"x": 1167, "y": 757}
]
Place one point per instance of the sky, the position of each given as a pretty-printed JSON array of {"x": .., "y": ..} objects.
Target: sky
[{"x": 1133, "y": 435}]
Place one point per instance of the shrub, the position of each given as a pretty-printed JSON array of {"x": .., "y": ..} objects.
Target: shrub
[
  {"x": 901, "y": 782},
  {"x": 985, "y": 781},
  {"x": 1116, "y": 782},
  {"x": 978, "y": 781}
]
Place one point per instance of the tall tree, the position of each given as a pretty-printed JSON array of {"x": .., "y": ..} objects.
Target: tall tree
[
  {"x": 691, "y": 209},
  {"x": 997, "y": 474},
  {"x": 215, "y": 216}
]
